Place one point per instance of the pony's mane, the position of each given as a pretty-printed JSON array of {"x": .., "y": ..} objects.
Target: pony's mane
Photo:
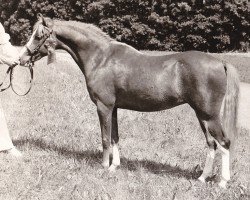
[{"x": 88, "y": 29}]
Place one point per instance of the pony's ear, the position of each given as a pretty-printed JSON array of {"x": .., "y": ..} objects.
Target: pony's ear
[
  {"x": 47, "y": 22},
  {"x": 39, "y": 16}
]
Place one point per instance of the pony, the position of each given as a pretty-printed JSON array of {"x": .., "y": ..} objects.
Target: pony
[{"x": 120, "y": 77}]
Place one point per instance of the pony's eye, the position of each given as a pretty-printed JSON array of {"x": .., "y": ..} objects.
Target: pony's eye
[{"x": 38, "y": 37}]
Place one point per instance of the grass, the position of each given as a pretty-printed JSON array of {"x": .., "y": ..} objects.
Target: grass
[{"x": 57, "y": 129}]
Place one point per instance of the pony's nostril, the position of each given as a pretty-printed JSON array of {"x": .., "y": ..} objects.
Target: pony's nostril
[{"x": 23, "y": 61}]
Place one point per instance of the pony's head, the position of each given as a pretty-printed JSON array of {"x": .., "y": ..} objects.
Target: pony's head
[{"x": 41, "y": 43}]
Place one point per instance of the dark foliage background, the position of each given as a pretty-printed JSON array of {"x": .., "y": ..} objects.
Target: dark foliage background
[{"x": 205, "y": 25}]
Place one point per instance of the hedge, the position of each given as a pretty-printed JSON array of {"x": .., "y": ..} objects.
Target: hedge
[{"x": 211, "y": 25}]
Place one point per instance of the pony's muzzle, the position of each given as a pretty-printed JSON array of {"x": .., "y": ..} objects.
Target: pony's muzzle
[{"x": 24, "y": 56}]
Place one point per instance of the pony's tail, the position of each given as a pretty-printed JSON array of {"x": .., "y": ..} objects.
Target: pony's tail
[{"x": 231, "y": 104}]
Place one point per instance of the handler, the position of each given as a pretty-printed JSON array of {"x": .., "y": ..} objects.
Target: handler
[{"x": 9, "y": 56}]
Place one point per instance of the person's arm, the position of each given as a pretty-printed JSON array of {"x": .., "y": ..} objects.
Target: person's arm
[
  {"x": 7, "y": 61},
  {"x": 1, "y": 62}
]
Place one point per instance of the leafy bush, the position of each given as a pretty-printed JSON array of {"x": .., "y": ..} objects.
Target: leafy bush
[{"x": 213, "y": 26}]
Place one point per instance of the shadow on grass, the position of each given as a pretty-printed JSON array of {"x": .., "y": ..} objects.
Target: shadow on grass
[{"x": 95, "y": 157}]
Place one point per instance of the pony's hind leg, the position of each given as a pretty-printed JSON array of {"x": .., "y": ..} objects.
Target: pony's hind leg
[
  {"x": 115, "y": 140},
  {"x": 225, "y": 174},
  {"x": 223, "y": 144},
  {"x": 208, "y": 168}
]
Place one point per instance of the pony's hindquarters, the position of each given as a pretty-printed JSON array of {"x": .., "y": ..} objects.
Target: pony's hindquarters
[
  {"x": 220, "y": 134},
  {"x": 230, "y": 118}
]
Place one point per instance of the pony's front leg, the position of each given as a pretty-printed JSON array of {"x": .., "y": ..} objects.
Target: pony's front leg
[
  {"x": 115, "y": 140},
  {"x": 105, "y": 118}
]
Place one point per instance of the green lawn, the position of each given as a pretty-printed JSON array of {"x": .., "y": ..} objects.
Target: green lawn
[{"x": 57, "y": 129}]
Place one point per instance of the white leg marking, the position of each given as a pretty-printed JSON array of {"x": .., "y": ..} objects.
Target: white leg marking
[
  {"x": 116, "y": 158},
  {"x": 225, "y": 169},
  {"x": 208, "y": 168},
  {"x": 105, "y": 159},
  {"x": 116, "y": 155},
  {"x": 225, "y": 174}
]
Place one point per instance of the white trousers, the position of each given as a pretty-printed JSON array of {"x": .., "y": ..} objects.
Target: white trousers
[
  {"x": 8, "y": 51},
  {"x": 5, "y": 140}
]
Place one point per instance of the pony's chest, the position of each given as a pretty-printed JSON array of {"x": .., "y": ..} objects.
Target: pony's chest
[{"x": 100, "y": 86}]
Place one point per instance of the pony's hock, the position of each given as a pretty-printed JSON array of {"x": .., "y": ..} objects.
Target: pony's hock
[{"x": 119, "y": 76}]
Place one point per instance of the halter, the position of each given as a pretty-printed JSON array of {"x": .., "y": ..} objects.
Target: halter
[
  {"x": 32, "y": 52},
  {"x": 29, "y": 64}
]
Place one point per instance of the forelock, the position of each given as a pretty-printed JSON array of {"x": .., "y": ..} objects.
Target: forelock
[{"x": 39, "y": 29}]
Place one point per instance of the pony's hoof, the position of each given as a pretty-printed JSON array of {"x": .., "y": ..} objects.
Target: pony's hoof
[
  {"x": 112, "y": 168},
  {"x": 223, "y": 184},
  {"x": 202, "y": 179}
]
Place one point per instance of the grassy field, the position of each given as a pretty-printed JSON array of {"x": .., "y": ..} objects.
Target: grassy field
[{"x": 57, "y": 129}]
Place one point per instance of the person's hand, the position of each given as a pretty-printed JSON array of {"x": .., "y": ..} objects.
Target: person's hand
[
  {"x": 12, "y": 62},
  {"x": 17, "y": 62}
]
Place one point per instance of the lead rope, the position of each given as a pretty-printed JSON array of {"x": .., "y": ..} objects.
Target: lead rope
[
  {"x": 30, "y": 65},
  {"x": 6, "y": 74}
]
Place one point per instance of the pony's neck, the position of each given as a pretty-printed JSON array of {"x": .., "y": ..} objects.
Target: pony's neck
[{"x": 86, "y": 53}]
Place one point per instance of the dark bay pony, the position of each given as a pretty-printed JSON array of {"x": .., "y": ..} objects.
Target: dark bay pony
[{"x": 119, "y": 76}]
